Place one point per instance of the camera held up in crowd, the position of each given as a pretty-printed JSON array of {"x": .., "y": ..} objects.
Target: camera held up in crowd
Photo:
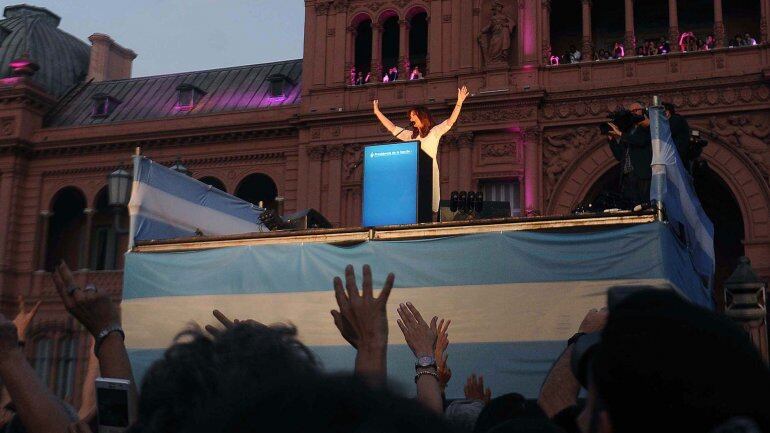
[
  {"x": 623, "y": 118},
  {"x": 692, "y": 161}
]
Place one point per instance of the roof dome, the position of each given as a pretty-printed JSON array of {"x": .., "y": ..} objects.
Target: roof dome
[{"x": 63, "y": 58}]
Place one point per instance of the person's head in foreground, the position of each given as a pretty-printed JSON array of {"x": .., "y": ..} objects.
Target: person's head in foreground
[
  {"x": 255, "y": 378},
  {"x": 664, "y": 365}
]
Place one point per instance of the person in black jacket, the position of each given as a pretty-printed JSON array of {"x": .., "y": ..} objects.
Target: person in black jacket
[
  {"x": 680, "y": 132},
  {"x": 633, "y": 149}
]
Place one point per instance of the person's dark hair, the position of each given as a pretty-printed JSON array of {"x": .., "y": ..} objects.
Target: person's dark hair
[
  {"x": 671, "y": 108},
  {"x": 499, "y": 410},
  {"x": 690, "y": 368},
  {"x": 427, "y": 121},
  {"x": 258, "y": 378}
]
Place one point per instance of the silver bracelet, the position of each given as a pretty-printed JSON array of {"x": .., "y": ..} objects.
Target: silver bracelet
[
  {"x": 104, "y": 333},
  {"x": 423, "y": 372}
]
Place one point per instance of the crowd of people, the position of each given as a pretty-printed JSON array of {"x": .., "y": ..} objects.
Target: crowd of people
[
  {"x": 688, "y": 42},
  {"x": 651, "y": 362},
  {"x": 358, "y": 78}
]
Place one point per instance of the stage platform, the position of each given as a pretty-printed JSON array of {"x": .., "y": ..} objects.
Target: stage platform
[{"x": 343, "y": 236}]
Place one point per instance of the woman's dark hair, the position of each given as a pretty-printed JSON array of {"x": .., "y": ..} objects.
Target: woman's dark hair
[{"x": 425, "y": 118}]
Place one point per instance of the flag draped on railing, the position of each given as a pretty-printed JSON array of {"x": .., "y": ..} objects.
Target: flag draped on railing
[
  {"x": 672, "y": 186},
  {"x": 166, "y": 204}
]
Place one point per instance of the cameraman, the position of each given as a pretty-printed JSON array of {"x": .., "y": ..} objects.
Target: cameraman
[
  {"x": 633, "y": 148},
  {"x": 680, "y": 131}
]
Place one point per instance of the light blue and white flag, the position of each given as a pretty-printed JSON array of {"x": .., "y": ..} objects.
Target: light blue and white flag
[
  {"x": 166, "y": 204},
  {"x": 672, "y": 186}
]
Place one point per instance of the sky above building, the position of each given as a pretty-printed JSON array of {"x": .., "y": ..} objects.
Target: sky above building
[{"x": 188, "y": 35}]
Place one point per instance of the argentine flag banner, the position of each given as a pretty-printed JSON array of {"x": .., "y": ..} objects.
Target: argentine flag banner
[
  {"x": 672, "y": 186},
  {"x": 166, "y": 204}
]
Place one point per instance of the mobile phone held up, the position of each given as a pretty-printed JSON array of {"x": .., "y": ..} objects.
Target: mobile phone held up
[{"x": 113, "y": 404}]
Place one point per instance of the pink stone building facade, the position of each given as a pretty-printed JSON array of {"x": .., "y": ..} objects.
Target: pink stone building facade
[{"x": 528, "y": 132}]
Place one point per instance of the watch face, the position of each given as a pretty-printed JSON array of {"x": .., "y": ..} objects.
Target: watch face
[{"x": 425, "y": 361}]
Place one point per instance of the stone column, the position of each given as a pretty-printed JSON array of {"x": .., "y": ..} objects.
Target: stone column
[
  {"x": 84, "y": 261},
  {"x": 545, "y": 25},
  {"x": 376, "y": 46},
  {"x": 45, "y": 219},
  {"x": 673, "y": 26},
  {"x": 587, "y": 49},
  {"x": 630, "y": 39},
  {"x": 350, "y": 54},
  {"x": 719, "y": 26},
  {"x": 763, "y": 21},
  {"x": 532, "y": 169},
  {"x": 403, "y": 49},
  {"x": 465, "y": 143}
]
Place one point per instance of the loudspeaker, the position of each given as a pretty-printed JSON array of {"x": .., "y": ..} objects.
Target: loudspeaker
[
  {"x": 490, "y": 209},
  {"x": 307, "y": 219}
]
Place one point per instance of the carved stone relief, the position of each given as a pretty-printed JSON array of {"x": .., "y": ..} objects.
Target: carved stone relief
[
  {"x": 748, "y": 132},
  {"x": 6, "y": 126},
  {"x": 514, "y": 113},
  {"x": 564, "y": 148},
  {"x": 496, "y": 38}
]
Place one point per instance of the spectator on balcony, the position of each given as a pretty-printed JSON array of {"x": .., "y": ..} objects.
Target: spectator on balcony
[
  {"x": 554, "y": 60},
  {"x": 575, "y": 56},
  {"x": 641, "y": 51},
  {"x": 687, "y": 42},
  {"x": 618, "y": 52},
  {"x": 652, "y": 48},
  {"x": 353, "y": 76},
  {"x": 748, "y": 40},
  {"x": 737, "y": 41},
  {"x": 359, "y": 79},
  {"x": 393, "y": 74},
  {"x": 664, "y": 46},
  {"x": 711, "y": 42},
  {"x": 416, "y": 74}
]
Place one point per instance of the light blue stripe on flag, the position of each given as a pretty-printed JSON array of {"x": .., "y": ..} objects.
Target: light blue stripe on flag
[
  {"x": 672, "y": 186},
  {"x": 166, "y": 204}
]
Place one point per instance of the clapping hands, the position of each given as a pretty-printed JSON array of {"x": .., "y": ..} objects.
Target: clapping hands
[
  {"x": 474, "y": 389},
  {"x": 442, "y": 342}
]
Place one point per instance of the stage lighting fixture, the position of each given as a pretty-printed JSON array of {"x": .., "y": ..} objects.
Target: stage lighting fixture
[
  {"x": 454, "y": 197},
  {"x": 471, "y": 203}
]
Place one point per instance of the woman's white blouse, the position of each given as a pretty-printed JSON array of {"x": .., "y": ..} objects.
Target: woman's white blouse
[{"x": 429, "y": 144}]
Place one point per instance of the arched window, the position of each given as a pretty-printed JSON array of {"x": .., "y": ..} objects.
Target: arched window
[
  {"x": 566, "y": 30},
  {"x": 418, "y": 42},
  {"x": 608, "y": 21},
  {"x": 363, "y": 47},
  {"x": 213, "y": 181},
  {"x": 42, "y": 359},
  {"x": 741, "y": 17},
  {"x": 258, "y": 187},
  {"x": 697, "y": 16},
  {"x": 66, "y": 227},
  {"x": 105, "y": 242},
  {"x": 390, "y": 42},
  {"x": 650, "y": 25},
  {"x": 65, "y": 375}
]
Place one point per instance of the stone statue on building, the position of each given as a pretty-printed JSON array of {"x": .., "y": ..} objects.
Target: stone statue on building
[{"x": 495, "y": 38}]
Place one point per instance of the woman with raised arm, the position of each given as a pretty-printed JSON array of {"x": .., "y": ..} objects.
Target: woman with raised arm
[{"x": 425, "y": 130}]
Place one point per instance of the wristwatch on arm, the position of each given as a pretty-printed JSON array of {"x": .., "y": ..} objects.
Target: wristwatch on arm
[{"x": 425, "y": 365}]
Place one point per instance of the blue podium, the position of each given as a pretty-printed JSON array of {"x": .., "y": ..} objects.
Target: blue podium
[{"x": 397, "y": 184}]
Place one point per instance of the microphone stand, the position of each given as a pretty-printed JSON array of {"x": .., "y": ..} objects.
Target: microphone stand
[{"x": 395, "y": 137}]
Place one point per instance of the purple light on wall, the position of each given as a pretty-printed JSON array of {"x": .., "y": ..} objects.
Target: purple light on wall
[
  {"x": 529, "y": 34},
  {"x": 10, "y": 81}
]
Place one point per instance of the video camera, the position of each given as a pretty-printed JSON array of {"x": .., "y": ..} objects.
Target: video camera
[{"x": 623, "y": 119}]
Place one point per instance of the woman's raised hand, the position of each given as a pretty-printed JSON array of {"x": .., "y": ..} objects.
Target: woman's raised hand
[
  {"x": 462, "y": 93},
  {"x": 376, "y": 105}
]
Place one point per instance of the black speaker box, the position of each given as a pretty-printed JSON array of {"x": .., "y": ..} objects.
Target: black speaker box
[
  {"x": 492, "y": 209},
  {"x": 307, "y": 219}
]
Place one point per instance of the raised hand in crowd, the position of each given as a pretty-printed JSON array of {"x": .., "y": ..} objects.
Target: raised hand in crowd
[
  {"x": 362, "y": 321},
  {"x": 442, "y": 342},
  {"x": 39, "y": 410},
  {"x": 421, "y": 338},
  {"x": 475, "y": 390},
  {"x": 227, "y": 323},
  {"x": 24, "y": 318},
  {"x": 560, "y": 388},
  {"x": 98, "y": 314}
]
